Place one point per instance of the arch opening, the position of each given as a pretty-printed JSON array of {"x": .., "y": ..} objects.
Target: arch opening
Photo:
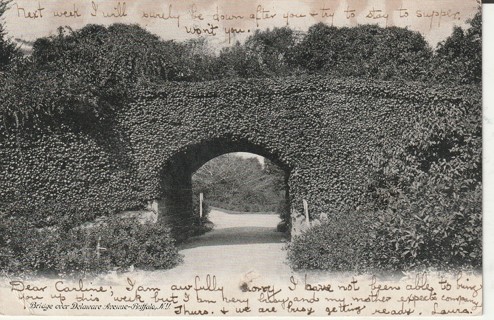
[{"x": 178, "y": 205}]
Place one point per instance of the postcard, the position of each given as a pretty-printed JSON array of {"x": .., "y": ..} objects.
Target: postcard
[{"x": 241, "y": 158}]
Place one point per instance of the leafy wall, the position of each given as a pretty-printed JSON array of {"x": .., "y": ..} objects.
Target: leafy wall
[{"x": 325, "y": 132}]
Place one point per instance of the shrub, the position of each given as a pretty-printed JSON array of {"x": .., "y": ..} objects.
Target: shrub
[
  {"x": 196, "y": 227},
  {"x": 123, "y": 242},
  {"x": 422, "y": 207},
  {"x": 428, "y": 229},
  {"x": 337, "y": 245},
  {"x": 127, "y": 243},
  {"x": 205, "y": 207},
  {"x": 283, "y": 210},
  {"x": 25, "y": 248}
]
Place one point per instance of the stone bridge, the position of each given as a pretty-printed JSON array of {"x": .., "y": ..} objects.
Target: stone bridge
[{"x": 322, "y": 132}]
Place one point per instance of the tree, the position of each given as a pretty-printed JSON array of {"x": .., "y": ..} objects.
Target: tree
[
  {"x": 273, "y": 50},
  {"x": 239, "y": 184},
  {"x": 236, "y": 61},
  {"x": 364, "y": 51},
  {"x": 84, "y": 75},
  {"x": 198, "y": 61},
  {"x": 8, "y": 49},
  {"x": 318, "y": 50},
  {"x": 266, "y": 53},
  {"x": 459, "y": 57}
]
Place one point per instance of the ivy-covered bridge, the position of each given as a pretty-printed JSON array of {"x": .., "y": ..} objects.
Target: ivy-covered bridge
[{"x": 326, "y": 134}]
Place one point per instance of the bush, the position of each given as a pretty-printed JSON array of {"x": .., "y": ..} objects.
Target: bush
[
  {"x": 422, "y": 207},
  {"x": 123, "y": 242},
  {"x": 428, "y": 229},
  {"x": 337, "y": 245},
  {"x": 197, "y": 225},
  {"x": 283, "y": 210},
  {"x": 25, "y": 248},
  {"x": 205, "y": 207}
]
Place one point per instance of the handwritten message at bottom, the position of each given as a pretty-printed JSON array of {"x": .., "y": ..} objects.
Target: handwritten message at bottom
[{"x": 415, "y": 294}]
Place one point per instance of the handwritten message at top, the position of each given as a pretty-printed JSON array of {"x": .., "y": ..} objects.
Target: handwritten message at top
[
  {"x": 208, "y": 294},
  {"x": 228, "y": 21}
]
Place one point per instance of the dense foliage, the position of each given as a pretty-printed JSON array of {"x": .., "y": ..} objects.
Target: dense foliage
[
  {"x": 239, "y": 184},
  {"x": 85, "y": 75},
  {"x": 364, "y": 51},
  {"x": 9, "y": 52},
  {"x": 57, "y": 176},
  {"x": 459, "y": 57},
  {"x": 338, "y": 244},
  {"x": 90, "y": 71},
  {"x": 115, "y": 243},
  {"x": 90, "y": 124},
  {"x": 264, "y": 54},
  {"x": 423, "y": 205},
  {"x": 424, "y": 202},
  {"x": 427, "y": 193}
]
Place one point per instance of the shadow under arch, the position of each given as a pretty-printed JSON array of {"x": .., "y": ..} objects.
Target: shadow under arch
[{"x": 175, "y": 204}]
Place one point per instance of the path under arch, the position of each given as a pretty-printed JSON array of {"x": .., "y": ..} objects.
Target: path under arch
[{"x": 239, "y": 243}]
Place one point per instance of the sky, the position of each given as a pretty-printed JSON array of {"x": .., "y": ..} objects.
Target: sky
[
  {"x": 224, "y": 22},
  {"x": 247, "y": 155}
]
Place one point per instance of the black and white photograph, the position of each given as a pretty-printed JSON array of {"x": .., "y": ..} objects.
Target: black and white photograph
[{"x": 241, "y": 158}]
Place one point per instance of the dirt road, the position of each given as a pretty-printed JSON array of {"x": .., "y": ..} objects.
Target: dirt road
[{"x": 239, "y": 244}]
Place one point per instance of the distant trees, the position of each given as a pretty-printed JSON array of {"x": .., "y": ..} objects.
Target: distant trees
[
  {"x": 264, "y": 54},
  {"x": 239, "y": 184},
  {"x": 364, "y": 51},
  {"x": 122, "y": 54}
]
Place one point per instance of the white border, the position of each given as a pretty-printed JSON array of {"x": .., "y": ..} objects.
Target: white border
[
  {"x": 488, "y": 157},
  {"x": 488, "y": 198}
]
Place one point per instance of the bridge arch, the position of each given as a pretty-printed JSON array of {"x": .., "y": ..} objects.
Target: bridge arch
[
  {"x": 328, "y": 134},
  {"x": 174, "y": 206}
]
